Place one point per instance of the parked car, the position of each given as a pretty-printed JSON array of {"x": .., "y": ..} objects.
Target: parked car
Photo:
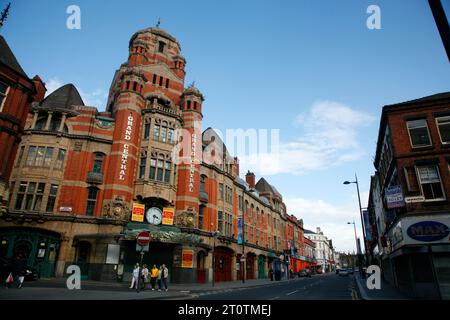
[
  {"x": 7, "y": 266},
  {"x": 343, "y": 272},
  {"x": 337, "y": 270},
  {"x": 350, "y": 270}
]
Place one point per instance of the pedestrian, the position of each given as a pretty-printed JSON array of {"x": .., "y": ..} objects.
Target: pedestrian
[
  {"x": 19, "y": 269},
  {"x": 144, "y": 276},
  {"x": 135, "y": 279},
  {"x": 271, "y": 274},
  {"x": 164, "y": 276},
  {"x": 159, "y": 278},
  {"x": 153, "y": 276}
]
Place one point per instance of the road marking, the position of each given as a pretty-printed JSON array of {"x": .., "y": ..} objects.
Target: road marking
[
  {"x": 274, "y": 298},
  {"x": 288, "y": 294}
]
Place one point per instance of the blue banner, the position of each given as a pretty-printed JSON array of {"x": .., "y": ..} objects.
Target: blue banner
[
  {"x": 367, "y": 225},
  {"x": 239, "y": 225}
]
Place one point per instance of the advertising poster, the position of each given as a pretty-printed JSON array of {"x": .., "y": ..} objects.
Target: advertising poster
[
  {"x": 187, "y": 259},
  {"x": 167, "y": 216},
  {"x": 138, "y": 212}
]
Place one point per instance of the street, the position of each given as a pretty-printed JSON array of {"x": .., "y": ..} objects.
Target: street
[
  {"x": 319, "y": 287},
  {"x": 323, "y": 287}
]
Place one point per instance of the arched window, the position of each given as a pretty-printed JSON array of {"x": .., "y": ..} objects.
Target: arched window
[
  {"x": 91, "y": 200},
  {"x": 202, "y": 183}
]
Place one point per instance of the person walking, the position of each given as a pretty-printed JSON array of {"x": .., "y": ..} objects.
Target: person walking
[
  {"x": 144, "y": 276},
  {"x": 271, "y": 274},
  {"x": 135, "y": 279},
  {"x": 153, "y": 276},
  {"x": 164, "y": 276},
  {"x": 159, "y": 278},
  {"x": 19, "y": 267}
]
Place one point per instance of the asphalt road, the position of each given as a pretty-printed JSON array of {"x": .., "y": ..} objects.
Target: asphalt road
[{"x": 324, "y": 287}]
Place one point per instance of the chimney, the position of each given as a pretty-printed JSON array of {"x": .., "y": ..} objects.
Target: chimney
[{"x": 250, "y": 178}]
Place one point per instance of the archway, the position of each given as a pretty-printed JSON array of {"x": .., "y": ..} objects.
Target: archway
[
  {"x": 261, "y": 267},
  {"x": 250, "y": 264},
  {"x": 223, "y": 258},
  {"x": 82, "y": 258}
]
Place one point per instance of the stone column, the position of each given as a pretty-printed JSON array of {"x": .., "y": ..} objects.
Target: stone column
[
  {"x": 63, "y": 121},
  {"x": 266, "y": 267},
  {"x": 49, "y": 119},
  {"x": 208, "y": 267},
  {"x": 233, "y": 268},
  {"x": 255, "y": 267},
  {"x": 35, "y": 117}
]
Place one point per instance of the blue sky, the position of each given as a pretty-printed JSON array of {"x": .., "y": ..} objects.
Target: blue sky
[{"x": 309, "y": 68}]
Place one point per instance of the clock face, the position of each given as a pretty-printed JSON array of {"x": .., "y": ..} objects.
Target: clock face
[{"x": 154, "y": 216}]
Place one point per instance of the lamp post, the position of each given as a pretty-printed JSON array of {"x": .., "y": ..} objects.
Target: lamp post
[
  {"x": 215, "y": 235},
  {"x": 362, "y": 223}
]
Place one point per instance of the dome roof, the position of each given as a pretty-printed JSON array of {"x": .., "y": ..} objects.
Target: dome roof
[
  {"x": 64, "y": 97},
  {"x": 156, "y": 31},
  {"x": 193, "y": 90}
]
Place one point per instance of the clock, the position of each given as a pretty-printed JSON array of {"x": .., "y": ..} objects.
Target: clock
[{"x": 154, "y": 215}]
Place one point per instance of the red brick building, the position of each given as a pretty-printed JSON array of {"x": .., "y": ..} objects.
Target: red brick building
[
  {"x": 17, "y": 92},
  {"x": 409, "y": 197},
  {"x": 80, "y": 175}
]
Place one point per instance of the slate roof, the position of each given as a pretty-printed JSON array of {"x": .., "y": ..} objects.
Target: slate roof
[
  {"x": 7, "y": 57},
  {"x": 263, "y": 186},
  {"x": 434, "y": 97},
  {"x": 64, "y": 97}
]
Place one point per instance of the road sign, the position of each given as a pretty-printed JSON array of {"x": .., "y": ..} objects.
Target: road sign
[{"x": 143, "y": 238}]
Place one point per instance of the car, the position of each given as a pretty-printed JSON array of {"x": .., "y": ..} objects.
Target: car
[
  {"x": 304, "y": 273},
  {"x": 337, "y": 270},
  {"x": 343, "y": 272},
  {"x": 350, "y": 270},
  {"x": 7, "y": 265}
]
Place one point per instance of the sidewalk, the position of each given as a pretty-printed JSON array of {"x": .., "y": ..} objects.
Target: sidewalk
[{"x": 387, "y": 291}]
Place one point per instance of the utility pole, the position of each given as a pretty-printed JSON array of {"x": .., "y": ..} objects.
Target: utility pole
[
  {"x": 441, "y": 23},
  {"x": 4, "y": 15}
]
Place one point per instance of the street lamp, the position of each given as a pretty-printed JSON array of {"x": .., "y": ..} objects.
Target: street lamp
[{"x": 215, "y": 235}]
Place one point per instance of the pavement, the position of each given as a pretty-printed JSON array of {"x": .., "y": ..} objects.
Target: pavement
[
  {"x": 56, "y": 289},
  {"x": 386, "y": 292}
]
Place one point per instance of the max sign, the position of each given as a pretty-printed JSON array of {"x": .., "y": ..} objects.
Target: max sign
[{"x": 428, "y": 231}]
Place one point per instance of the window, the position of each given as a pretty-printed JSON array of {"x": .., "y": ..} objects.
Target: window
[
  {"x": 3, "y": 93},
  {"x": 19, "y": 158},
  {"x": 161, "y": 46},
  {"x": 154, "y": 78},
  {"x": 167, "y": 83},
  {"x": 142, "y": 167},
  {"x": 146, "y": 130},
  {"x": 220, "y": 191},
  {"x": 52, "y": 198},
  {"x": 444, "y": 129},
  {"x": 152, "y": 169},
  {"x": 228, "y": 224},
  {"x": 430, "y": 182},
  {"x": 134, "y": 85},
  {"x": 48, "y": 157},
  {"x": 202, "y": 183},
  {"x": 189, "y": 104},
  {"x": 160, "y": 81},
  {"x": 39, "y": 157},
  {"x": 156, "y": 131},
  {"x": 91, "y": 200},
  {"x": 418, "y": 133},
  {"x": 55, "y": 123},
  {"x": 33, "y": 198},
  {"x": 163, "y": 133},
  {"x": 98, "y": 162},
  {"x": 220, "y": 221},
  {"x": 60, "y": 159},
  {"x": 20, "y": 195},
  {"x": 170, "y": 135},
  {"x": 40, "y": 124},
  {"x": 159, "y": 173},
  {"x": 167, "y": 172}
]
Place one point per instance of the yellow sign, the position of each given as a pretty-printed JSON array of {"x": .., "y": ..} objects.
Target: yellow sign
[
  {"x": 187, "y": 259},
  {"x": 138, "y": 212},
  {"x": 167, "y": 216}
]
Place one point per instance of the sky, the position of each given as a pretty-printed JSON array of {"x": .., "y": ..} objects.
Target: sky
[{"x": 310, "y": 69}]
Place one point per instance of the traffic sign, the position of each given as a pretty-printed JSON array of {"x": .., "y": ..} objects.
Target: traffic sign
[{"x": 143, "y": 238}]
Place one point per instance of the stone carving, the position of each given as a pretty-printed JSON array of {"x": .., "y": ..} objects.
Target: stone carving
[
  {"x": 186, "y": 218},
  {"x": 117, "y": 209},
  {"x": 175, "y": 237}
]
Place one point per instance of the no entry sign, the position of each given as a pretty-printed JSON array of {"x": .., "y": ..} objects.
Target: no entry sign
[{"x": 143, "y": 238}]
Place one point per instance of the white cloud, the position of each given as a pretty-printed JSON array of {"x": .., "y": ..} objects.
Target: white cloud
[
  {"x": 331, "y": 219},
  {"x": 96, "y": 98},
  {"x": 330, "y": 137}
]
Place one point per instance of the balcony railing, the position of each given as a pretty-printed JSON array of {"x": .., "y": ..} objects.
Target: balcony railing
[{"x": 94, "y": 177}]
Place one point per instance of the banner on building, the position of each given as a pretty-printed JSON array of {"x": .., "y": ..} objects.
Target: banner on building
[
  {"x": 239, "y": 224},
  {"x": 394, "y": 197},
  {"x": 367, "y": 225},
  {"x": 187, "y": 259},
  {"x": 138, "y": 212},
  {"x": 167, "y": 216}
]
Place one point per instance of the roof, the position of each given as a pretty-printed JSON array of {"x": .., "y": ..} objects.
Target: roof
[
  {"x": 308, "y": 232},
  {"x": 64, "y": 97},
  {"x": 157, "y": 31},
  {"x": 434, "y": 97},
  {"x": 7, "y": 57},
  {"x": 263, "y": 186}
]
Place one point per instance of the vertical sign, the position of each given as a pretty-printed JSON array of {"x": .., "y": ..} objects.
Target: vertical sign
[
  {"x": 192, "y": 165},
  {"x": 138, "y": 212},
  {"x": 239, "y": 224},
  {"x": 187, "y": 259},
  {"x": 367, "y": 225},
  {"x": 126, "y": 145},
  {"x": 167, "y": 216}
]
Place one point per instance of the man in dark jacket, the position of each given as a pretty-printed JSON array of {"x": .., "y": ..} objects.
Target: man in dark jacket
[{"x": 19, "y": 268}]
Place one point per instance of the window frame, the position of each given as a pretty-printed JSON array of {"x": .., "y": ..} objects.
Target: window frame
[
  {"x": 439, "y": 130},
  {"x": 428, "y": 132},
  {"x": 4, "y": 95},
  {"x": 419, "y": 180}
]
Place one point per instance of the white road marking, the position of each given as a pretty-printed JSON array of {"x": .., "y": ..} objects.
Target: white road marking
[
  {"x": 288, "y": 294},
  {"x": 274, "y": 298}
]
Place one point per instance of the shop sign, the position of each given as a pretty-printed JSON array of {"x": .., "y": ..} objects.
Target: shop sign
[
  {"x": 187, "y": 259},
  {"x": 167, "y": 216},
  {"x": 65, "y": 209},
  {"x": 394, "y": 197},
  {"x": 414, "y": 199},
  {"x": 428, "y": 231},
  {"x": 192, "y": 162},
  {"x": 138, "y": 212}
]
